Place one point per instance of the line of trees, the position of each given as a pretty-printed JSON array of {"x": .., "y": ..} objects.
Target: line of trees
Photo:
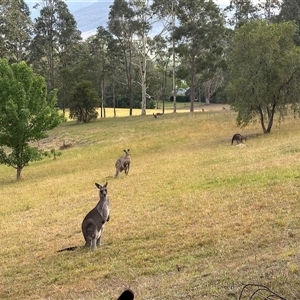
[{"x": 199, "y": 44}]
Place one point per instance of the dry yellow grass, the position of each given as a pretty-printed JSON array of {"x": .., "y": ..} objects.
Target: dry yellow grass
[
  {"x": 180, "y": 108},
  {"x": 194, "y": 219}
]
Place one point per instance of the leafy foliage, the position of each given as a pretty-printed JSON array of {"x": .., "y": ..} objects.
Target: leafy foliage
[
  {"x": 265, "y": 70},
  {"x": 55, "y": 35},
  {"x": 15, "y": 30},
  {"x": 83, "y": 101},
  {"x": 241, "y": 12},
  {"x": 123, "y": 25},
  {"x": 199, "y": 35},
  {"x": 290, "y": 11},
  {"x": 26, "y": 114}
]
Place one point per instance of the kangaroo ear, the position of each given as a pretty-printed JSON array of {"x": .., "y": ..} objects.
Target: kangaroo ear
[
  {"x": 105, "y": 185},
  {"x": 128, "y": 150},
  {"x": 127, "y": 295},
  {"x": 124, "y": 150},
  {"x": 98, "y": 185}
]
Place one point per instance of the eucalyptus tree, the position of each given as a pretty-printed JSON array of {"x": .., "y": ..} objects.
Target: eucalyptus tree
[
  {"x": 15, "y": 30},
  {"x": 290, "y": 11},
  {"x": 241, "y": 12},
  {"x": 159, "y": 74},
  {"x": 106, "y": 67},
  {"x": 265, "y": 72},
  {"x": 269, "y": 9},
  {"x": 199, "y": 35},
  {"x": 122, "y": 25},
  {"x": 166, "y": 10},
  {"x": 145, "y": 44},
  {"x": 143, "y": 13},
  {"x": 101, "y": 47},
  {"x": 55, "y": 32},
  {"x": 68, "y": 40},
  {"x": 113, "y": 71},
  {"x": 77, "y": 66},
  {"x": 211, "y": 85},
  {"x": 135, "y": 21}
]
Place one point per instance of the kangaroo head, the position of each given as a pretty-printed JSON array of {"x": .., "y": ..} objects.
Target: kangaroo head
[
  {"x": 103, "y": 189},
  {"x": 127, "y": 152}
]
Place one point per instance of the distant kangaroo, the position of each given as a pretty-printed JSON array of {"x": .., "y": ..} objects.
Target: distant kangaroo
[
  {"x": 123, "y": 163},
  {"x": 157, "y": 115},
  {"x": 94, "y": 221},
  {"x": 238, "y": 138}
]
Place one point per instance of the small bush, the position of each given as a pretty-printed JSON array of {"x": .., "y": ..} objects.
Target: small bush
[{"x": 83, "y": 101}]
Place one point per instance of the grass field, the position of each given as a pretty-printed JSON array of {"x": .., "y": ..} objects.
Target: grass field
[
  {"x": 196, "y": 218},
  {"x": 181, "y": 107}
]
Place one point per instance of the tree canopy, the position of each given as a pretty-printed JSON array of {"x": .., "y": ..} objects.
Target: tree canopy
[
  {"x": 15, "y": 30},
  {"x": 199, "y": 36},
  {"x": 55, "y": 35},
  {"x": 188, "y": 45},
  {"x": 83, "y": 101},
  {"x": 265, "y": 72},
  {"x": 27, "y": 112}
]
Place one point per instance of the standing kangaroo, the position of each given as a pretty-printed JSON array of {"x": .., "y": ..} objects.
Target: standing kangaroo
[
  {"x": 123, "y": 163},
  {"x": 238, "y": 138},
  {"x": 94, "y": 221}
]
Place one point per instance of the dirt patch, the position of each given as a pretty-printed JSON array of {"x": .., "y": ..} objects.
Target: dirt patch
[{"x": 57, "y": 143}]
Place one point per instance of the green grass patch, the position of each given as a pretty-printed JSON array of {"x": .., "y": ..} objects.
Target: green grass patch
[{"x": 195, "y": 218}]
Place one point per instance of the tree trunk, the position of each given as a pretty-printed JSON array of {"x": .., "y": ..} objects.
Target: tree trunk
[
  {"x": 173, "y": 59},
  {"x": 143, "y": 72},
  {"x": 192, "y": 88},
  {"x": 143, "y": 86},
  {"x": 19, "y": 170},
  {"x": 271, "y": 113},
  {"x": 114, "y": 99},
  {"x": 127, "y": 63},
  {"x": 103, "y": 100},
  {"x": 207, "y": 97},
  {"x": 261, "y": 117}
]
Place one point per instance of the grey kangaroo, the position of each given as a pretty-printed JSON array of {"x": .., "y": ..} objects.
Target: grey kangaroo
[
  {"x": 94, "y": 221},
  {"x": 238, "y": 138},
  {"x": 157, "y": 115},
  {"x": 123, "y": 163}
]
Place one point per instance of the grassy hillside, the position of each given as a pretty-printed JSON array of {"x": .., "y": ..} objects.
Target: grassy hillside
[{"x": 194, "y": 219}]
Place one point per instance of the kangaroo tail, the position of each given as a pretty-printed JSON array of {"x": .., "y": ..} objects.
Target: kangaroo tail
[{"x": 68, "y": 249}]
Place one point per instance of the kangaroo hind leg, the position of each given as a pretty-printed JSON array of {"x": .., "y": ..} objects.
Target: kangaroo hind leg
[{"x": 98, "y": 243}]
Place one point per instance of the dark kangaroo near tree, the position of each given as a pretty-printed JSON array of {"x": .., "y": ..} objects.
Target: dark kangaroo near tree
[
  {"x": 123, "y": 163},
  {"x": 94, "y": 221},
  {"x": 157, "y": 115},
  {"x": 238, "y": 138}
]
